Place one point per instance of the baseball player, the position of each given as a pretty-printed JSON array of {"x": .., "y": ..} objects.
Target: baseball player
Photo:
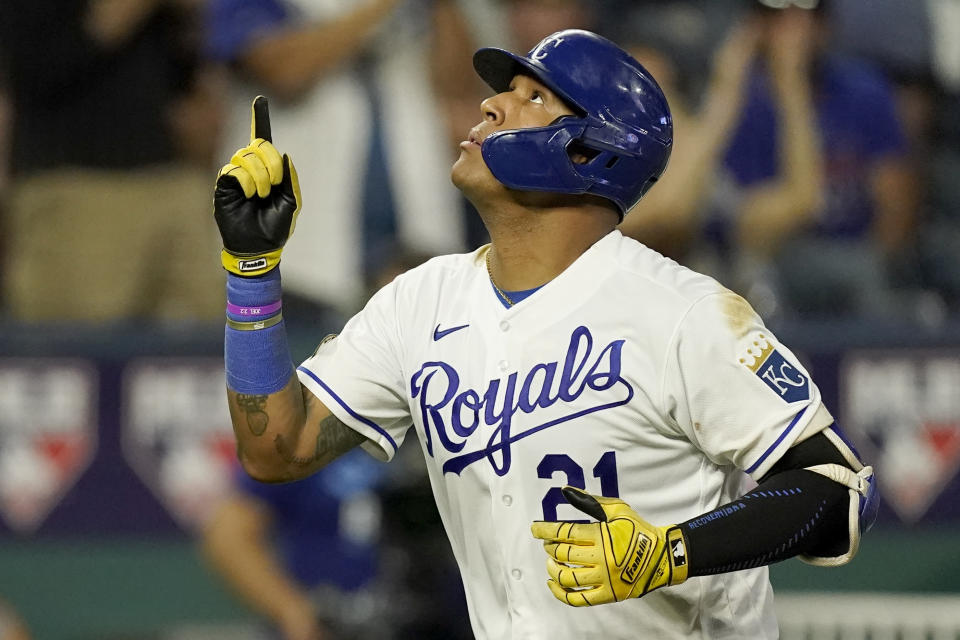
[{"x": 563, "y": 380}]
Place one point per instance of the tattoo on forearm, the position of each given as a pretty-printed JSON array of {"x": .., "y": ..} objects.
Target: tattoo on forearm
[
  {"x": 334, "y": 439},
  {"x": 288, "y": 456},
  {"x": 253, "y": 406}
]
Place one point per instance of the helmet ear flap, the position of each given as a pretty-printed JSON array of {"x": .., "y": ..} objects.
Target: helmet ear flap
[
  {"x": 621, "y": 165},
  {"x": 581, "y": 153}
]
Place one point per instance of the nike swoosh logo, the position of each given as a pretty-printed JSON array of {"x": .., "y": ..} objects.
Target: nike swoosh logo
[{"x": 437, "y": 333}]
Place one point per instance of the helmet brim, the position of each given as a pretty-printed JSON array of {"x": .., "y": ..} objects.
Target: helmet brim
[{"x": 497, "y": 67}]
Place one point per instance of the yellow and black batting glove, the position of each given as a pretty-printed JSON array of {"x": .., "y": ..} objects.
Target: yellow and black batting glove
[
  {"x": 621, "y": 556},
  {"x": 256, "y": 201}
]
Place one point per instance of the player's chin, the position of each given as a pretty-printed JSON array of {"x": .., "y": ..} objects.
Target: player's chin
[
  {"x": 464, "y": 171},
  {"x": 471, "y": 175}
]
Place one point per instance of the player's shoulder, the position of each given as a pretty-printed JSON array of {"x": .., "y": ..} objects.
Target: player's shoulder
[
  {"x": 686, "y": 301},
  {"x": 439, "y": 272},
  {"x": 445, "y": 266},
  {"x": 657, "y": 278}
]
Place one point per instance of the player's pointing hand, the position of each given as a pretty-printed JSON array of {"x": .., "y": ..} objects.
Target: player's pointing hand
[
  {"x": 621, "y": 556},
  {"x": 256, "y": 200}
]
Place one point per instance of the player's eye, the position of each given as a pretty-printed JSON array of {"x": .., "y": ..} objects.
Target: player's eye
[{"x": 536, "y": 97}]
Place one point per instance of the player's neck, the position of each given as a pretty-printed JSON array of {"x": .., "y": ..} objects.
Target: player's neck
[{"x": 528, "y": 252}]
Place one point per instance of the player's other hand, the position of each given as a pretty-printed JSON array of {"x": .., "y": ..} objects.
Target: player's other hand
[
  {"x": 621, "y": 556},
  {"x": 256, "y": 201}
]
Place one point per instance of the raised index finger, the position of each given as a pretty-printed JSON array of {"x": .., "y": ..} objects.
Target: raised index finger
[{"x": 260, "y": 120}]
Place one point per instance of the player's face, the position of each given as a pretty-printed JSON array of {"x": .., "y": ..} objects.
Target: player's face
[{"x": 526, "y": 104}]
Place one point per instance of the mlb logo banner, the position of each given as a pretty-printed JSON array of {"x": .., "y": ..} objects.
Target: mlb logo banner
[
  {"x": 176, "y": 433},
  {"x": 902, "y": 407},
  {"x": 48, "y": 435}
]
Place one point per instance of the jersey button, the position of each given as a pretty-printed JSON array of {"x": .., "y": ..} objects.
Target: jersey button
[
  {"x": 504, "y": 325},
  {"x": 508, "y": 500},
  {"x": 517, "y": 574},
  {"x": 504, "y": 365}
]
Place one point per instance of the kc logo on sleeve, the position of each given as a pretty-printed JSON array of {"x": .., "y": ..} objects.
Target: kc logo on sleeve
[{"x": 778, "y": 373}]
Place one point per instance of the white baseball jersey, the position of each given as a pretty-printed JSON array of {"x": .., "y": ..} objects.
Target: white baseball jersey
[{"x": 627, "y": 375}]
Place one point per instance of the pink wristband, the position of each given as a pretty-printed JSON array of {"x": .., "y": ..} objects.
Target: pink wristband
[{"x": 254, "y": 312}]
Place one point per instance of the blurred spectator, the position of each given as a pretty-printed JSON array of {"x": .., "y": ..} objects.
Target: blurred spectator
[
  {"x": 351, "y": 101},
  {"x": 820, "y": 199},
  {"x": 458, "y": 91},
  {"x": 458, "y": 28},
  {"x": 918, "y": 47},
  {"x": 670, "y": 217},
  {"x": 532, "y": 20},
  {"x": 103, "y": 207},
  {"x": 303, "y": 554}
]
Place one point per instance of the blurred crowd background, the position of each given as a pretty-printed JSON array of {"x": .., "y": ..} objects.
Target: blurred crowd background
[{"x": 815, "y": 171}]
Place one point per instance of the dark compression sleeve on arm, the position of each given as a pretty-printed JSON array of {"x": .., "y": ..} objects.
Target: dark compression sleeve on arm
[{"x": 791, "y": 511}]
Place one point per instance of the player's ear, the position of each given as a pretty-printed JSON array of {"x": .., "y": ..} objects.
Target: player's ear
[{"x": 580, "y": 153}]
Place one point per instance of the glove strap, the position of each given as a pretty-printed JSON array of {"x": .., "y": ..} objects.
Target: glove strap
[
  {"x": 250, "y": 264},
  {"x": 676, "y": 551}
]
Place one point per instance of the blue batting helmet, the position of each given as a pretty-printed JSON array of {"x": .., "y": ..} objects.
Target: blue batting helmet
[{"x": 623, "y": 124}]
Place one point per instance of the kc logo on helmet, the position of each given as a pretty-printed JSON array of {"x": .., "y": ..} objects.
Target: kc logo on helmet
[{"x": 541, "y": 51}]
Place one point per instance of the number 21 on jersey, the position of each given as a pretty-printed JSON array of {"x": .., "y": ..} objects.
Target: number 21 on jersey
[{"x": 605, "y": 470}]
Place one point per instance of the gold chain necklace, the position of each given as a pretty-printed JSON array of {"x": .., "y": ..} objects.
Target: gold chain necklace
[{"x": 493, "y": 282}]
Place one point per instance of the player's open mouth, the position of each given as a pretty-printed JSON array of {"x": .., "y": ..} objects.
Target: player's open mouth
[{"x": 474, "y": 138}]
